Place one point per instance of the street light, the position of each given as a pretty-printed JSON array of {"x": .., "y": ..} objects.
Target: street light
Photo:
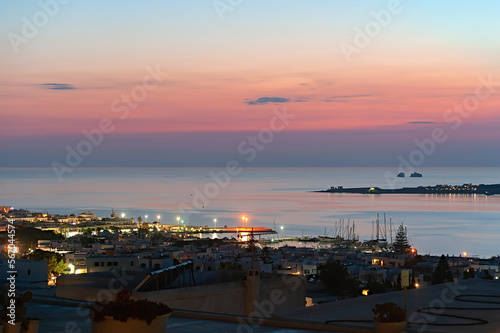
[
  {"x": 158, "y": 217},
  {"x": 123, "y": 215},
  {"x": 178, "y": 220},
  {"x": 146, "y": 218},
  {"x": 215, "y": 223},
  {"x": 282, "y": 232}
]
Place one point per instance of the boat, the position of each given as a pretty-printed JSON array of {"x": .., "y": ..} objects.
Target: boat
[
  {"x": 308, "y": 239},
  {"x": 416, "y": 174},
  {"x": 327, "y": 239},
  {"x": 401, "y": 174}
]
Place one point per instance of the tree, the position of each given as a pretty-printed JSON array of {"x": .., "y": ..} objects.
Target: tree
[
  {"x": 63, "y": 229},
  {"x": 374, "y": 286},
  {"x": 139, "y": 220},
  {"x": 87, "y": 231},
  {"x": 156, "y": 236},
  {"x": 265, "y": 255},
  {"x": 442, "y": 273},
  {"x": 401, "y": 245},
  {"x": 338, "y": 280},
  {"x": 229, "y": 266},
  {"x": 55, "y": 262},
  {"x": 115, "y": 229},
  {"x": 87, "y": 240},
  {"x": 142, "y": 230}
]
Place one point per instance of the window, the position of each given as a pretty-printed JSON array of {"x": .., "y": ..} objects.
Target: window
[
  {"x": 143, "y": 265},
  {"x": 29, "y": 271},
  {"x": 102, "y": 263},
  {"x": 96, "y": 264},
  {"x": 131, "y": 263},
  {"x": 115, "y": 263},
  {"x": 109, "y": 263}
]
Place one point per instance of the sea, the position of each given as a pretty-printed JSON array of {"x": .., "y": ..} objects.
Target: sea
[{"x": 279, "y": 198}]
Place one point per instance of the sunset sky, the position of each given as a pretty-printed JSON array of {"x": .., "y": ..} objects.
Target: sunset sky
[{"x": 225, "y": 68}]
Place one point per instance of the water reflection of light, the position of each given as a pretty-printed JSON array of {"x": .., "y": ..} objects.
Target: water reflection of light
[{"x": 214, "y": 235}]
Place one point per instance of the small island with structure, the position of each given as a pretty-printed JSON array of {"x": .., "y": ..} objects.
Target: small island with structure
[{"x": 438, "y": 189}]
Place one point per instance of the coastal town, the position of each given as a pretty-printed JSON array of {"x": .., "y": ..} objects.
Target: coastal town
[
  {"x": 224, "y": 271},
  {"x": 64, "y": 251}
]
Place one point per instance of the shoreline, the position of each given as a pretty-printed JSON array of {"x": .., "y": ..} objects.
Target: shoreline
[{"x": 483, "y": 189}]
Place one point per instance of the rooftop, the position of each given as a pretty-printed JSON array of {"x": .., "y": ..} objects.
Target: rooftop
[{"x": 466, "y": 306}]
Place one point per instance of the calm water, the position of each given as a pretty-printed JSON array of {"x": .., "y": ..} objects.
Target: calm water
[{"x": 272, "y": 196}]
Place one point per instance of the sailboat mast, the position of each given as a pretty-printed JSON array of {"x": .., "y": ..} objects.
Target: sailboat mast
[
  {"x": 385, "y": 228},
  {"x": 372, "y": 229},
  {"x": 390, "y": 226}
]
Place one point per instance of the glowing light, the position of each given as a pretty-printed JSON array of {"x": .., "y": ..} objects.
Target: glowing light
[
  {"x": 123, "y": 215},
  {"x": 244, "y": 219},
  {"x": 71, "y": 269},
  {"x": 417, "y": 285},
  {"x": 158, "y": 217},
  {"x": 465, "y": 254},
  {"x": 365, "y": 292},
  {"x": 12, "y": 249}
]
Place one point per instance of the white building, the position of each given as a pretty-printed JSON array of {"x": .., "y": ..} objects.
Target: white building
[{"x": 29, "y": 273}]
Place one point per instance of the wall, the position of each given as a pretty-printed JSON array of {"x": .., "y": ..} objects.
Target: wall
[
  {"x": 273, "y": 293},
  {"x": 29, "y": 272}
]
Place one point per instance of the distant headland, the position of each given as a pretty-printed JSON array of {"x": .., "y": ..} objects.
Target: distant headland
[{"x": 438, "y": 189}]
